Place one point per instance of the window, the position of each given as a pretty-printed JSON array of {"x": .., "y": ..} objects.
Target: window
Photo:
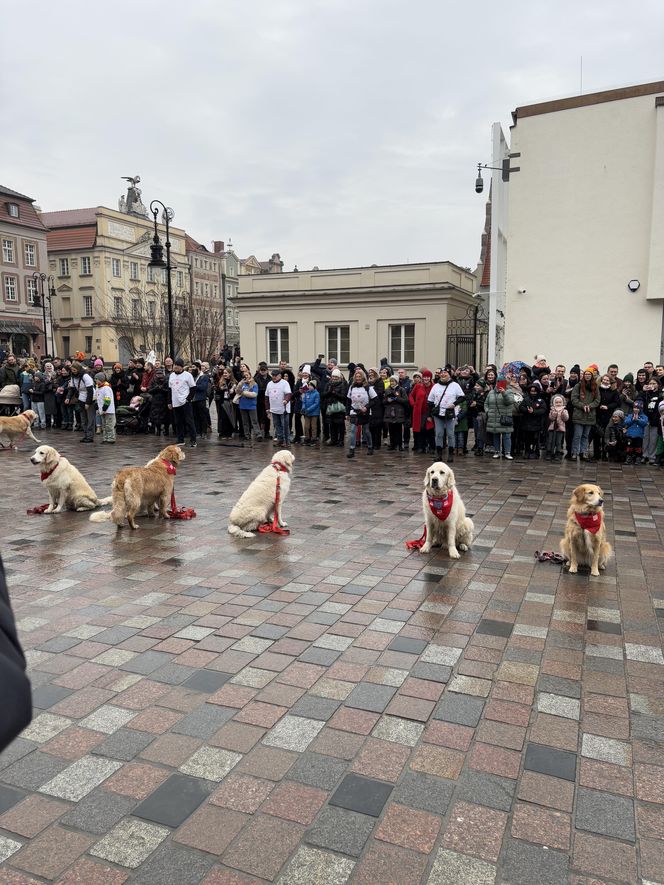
[
  {"x": 88, "y": 343},
  {"x": 197, "y": 288},
  {"x": 12, "y": 208},
  {"x": 64, "y": 267},
  {"x": 338, "y": 343},
  {"x": 31, "y": 288},
  {"x": 87, "y": 305},
  {"x": 86, "y": 266},
  {"x": 10, "y": 289},
  {"x": 180, "y": 279},
  {"x": 30, "y": 255},
  {"x": 402, "y": 344},
  {"x": 135, "y": 308},
  {"x": 151, "y": 306},
  {"x": 207, "y": 289},
  {"x": 277, "y": 345},
  {"x": 117, "y": 306},
  {"x": 65, "y": 345},
  {"x": 164, "y": 275},
  {"x": 150, "y": 276},
  {"x": 133, "y": 270},
  {"x": 8, "y": 251},
  {"x": 116, "y": 267}
]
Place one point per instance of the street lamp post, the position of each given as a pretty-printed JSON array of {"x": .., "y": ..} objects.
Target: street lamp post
[
  {"x": 40, "y": 301},
  {"x": 157, "y": 260}
]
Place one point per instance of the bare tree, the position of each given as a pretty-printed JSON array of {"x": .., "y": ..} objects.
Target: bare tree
[
  {"x": 141, "y": 318},
  {"x": 206, "y": 324}
]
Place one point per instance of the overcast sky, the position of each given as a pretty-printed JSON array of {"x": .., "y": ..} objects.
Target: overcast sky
[{"x": 335, "y": 132}]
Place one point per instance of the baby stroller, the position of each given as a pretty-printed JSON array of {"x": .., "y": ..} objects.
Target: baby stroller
[
  {"x": 128, "y": 420},
  {"x": 10, "y": 400}
]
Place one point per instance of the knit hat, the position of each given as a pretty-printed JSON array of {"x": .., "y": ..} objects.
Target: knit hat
[
  {"x": 639, "y": 404},
  {"x": 275, "y": 372},
  {"x": 593, "y": 368},
  {"x": 427, "y": 373},
  {"x": 336, "y": 373},
  {"x": 394, "y": 378},
  {"x": 417, "y": 374},
  {"x": 629, "y": 378},
  {"x": 160, "y": 373},
  {"x": 98, "y": 363},
  {"x": 618, "y": 414},
  {"x": 306, "y": 369},
  {"x": 313, "y": 383},
  {"x": 117, "y": 365},
  {"x": 527, "y": 371},
  {"x": 539, "y": 358},
  {"x": 179, "y": 362},
  {"x": 660, "y": 407},
  {"x": 100, "y": 376},
  {"x": 481, "y": 383},
  {"x": 575, "y": 370}
]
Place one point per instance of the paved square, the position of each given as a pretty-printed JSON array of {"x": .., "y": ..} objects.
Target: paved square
[{"x": 327, "y": 707}]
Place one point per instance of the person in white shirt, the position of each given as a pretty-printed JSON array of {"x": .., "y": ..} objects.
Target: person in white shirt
[
  {"x": 105, "y": 407},
  {"x": 180, "y": 384},
  {"x": 278, "y": 394},
  {"x": 83, "y": 389},
  {"x": 444, "y": 395}
]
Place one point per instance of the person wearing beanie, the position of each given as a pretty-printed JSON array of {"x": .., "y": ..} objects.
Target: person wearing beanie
[
  {"x": 182, "y": 385},
  {"x": 395, "y": 405},
  {"x": 81, "y": 396},
  {"x": 333, "y": 407},
  {"x": 614, "y": 437},
  {"x": 309, "y": 398},
  {"x": 558, "y": 418},
  {"x": 627, "y": 393},
  {"x": 532, "y": 410},
  {"x": 37, "y": 393},
  {"x": 540, "y": 366},
  {"x": 105, "y": 407},
  {"x": 635, "y": 426},
  {"x": 476, "y": 414},
  {"x": 444, "y": 396},
  {"x": 98, "y": 364},
  {"x": 609, "y": 401},
  {"x": 159, "y": 398}
]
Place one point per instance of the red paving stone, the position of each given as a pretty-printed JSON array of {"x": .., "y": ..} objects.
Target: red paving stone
[
  {"x": 544, "y": 827},
  {"x": 475, "y": 830},
  {"x": 409, "y": 828},
  {"x": 294, "y": 802},
  {"x": 211, "y": 829}
]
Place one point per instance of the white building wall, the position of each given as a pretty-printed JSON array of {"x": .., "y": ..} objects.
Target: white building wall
[{"x": 580, "y": 224}]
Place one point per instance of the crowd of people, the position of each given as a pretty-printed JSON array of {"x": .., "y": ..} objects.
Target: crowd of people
[{"x": 519, "y": 410}]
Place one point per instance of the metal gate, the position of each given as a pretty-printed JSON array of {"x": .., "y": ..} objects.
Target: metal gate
[{"x": 467, "y": 343}]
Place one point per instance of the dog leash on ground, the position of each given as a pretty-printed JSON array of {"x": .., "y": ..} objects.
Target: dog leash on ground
[
  {"x": 274, "y": 526},
  {"x": 550, "y": 556},
  {"x": 32, "y": 511},
  {"x": 441, "y": 507},
  {"x": 175, "y": 512}
]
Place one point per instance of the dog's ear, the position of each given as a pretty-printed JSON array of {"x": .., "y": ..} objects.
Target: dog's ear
[
  {"x": 426, "y": 478},
  {"x": 579, "y": 494},
  {"x": 50, "y": 455},
  {"x": 449, "y": 478}
]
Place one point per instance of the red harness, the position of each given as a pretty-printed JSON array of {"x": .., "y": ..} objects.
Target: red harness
[
  {"x": 274, "y": 526},
  {"x": 441, "y": 507},
  {"x": 589, "y": 522},
  {"x": 170, "y": 468},
  {"x": 175, "y": 512},
  {"x": 46, "y": 475}
]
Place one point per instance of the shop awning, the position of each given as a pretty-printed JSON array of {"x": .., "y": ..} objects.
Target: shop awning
[{"x": 18, "y": 328}]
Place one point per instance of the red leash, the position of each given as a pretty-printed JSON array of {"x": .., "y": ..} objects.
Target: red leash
[
  {"x": 42, "y": 507},
  {"x": 274, "y": 526},
  {"x": 174, "y": 512}
]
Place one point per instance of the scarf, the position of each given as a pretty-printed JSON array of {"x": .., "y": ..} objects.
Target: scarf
[
  {"x": 589, "y": 522},
  {"x": 441, "y": 506},
  {"x": 170, "y": 468},
  {"x": 44, "y": 476}
]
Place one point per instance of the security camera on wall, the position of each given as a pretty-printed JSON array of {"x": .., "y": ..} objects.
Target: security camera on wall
[{"x": 522, "y": 291}]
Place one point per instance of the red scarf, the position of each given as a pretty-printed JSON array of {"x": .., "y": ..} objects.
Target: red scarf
[
  {"x": 170, "y": 468},
  {"x": 279, "y": 467},
  {"x": 46, "y": 475},
  {"x": 589, "y": 522},
  {"x": 441, "y": 507}
]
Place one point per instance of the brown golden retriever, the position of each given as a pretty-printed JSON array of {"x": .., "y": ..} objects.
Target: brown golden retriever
[
  {"x": 138, "y": 489},
  {"x": 584, "y": 541},
  {"x": 17, "y": 428}
]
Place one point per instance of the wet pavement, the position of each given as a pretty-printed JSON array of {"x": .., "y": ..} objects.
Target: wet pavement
[{"x": 328, "y": 707}]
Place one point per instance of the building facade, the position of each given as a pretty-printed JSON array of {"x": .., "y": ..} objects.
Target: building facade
[
  {"x": 585, "y": 232},
  {"x": 23, "y": 242},
  {"x": 403, "y": 312},
  {"x": 108, "y": 301}
]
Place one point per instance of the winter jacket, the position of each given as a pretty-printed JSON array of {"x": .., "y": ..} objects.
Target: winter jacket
[
  {"x": 160, "y": 396},
  {"x": 498, "y": 404},
  {"x": 16, "y": 695},
  {"x": 8, "y": 375},
  {"x": 25, "y": 380},
  {"x": 310, "y": 403},
  {"x": 120, "y": 387},
  {"x": 201, "y": 390},
  {"x": 558, "y": 418},
  {"x": 532, "y": 421},
  {"x": 635, "y": 427},
  {"x": 652, "y": 399},
  {"x": 611, "y": 399},
  {"x": 335, "y": 392},
  {"x": 249, "y": 397},
  {"x": 38, "y": 391},
  {"x": 461, "y": 425},
  {"x": 579, "y": 415},
  {"x": 395, "y": 403},
  {"x": 376, "y": 407},
  {"x": 418, "y": 401},
  {"x": 614, "y": 433}
]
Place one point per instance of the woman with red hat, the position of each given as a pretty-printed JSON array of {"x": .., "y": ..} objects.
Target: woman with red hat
[{"x": 423, "y": 436}]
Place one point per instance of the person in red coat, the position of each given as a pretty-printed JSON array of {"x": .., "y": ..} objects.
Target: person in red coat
[{"x": 423, "y": 430}]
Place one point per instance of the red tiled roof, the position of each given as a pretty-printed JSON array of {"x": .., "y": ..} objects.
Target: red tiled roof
[
  {"x": 7, "y": 191},
  {"x": 28, "y": 216},
  {"x": 67, "y": 238},
  {"x": 70, "y": 217},
  {"x": 192, "y": 245}
]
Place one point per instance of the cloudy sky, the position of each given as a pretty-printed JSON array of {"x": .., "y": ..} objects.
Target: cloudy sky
[{"x": 336, "y": 132}]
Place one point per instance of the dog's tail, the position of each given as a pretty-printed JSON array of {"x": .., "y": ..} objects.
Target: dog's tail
[
  {"x": 238, "y": 532},
  {"x": 101, "y": 515}
]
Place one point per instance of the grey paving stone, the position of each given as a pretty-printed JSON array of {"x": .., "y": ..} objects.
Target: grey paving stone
[
  {"x": 491, "y": 627},
  {"x": 315, "y": 708},
  {"x": 434, "y": 672},
  {"x": 174, "y": 865},
  {"x": 324, "y": 656},
  {"x": 524, "y": 864},
  {"x": 59, "y": 644},
  {"x": 116, "y": 635},
  {"x": 340, "y": 830},
  {"x": 361, "y": 794},
  {"x": 319, "y": 771},
  {"x": 557, "y": 685},
  {"x": 99, "y": 812},
  {"x": 485, "y": 789},
  {"x": 522, "y": 655},
  {"x": 124, "y": 744},
  {"x": 605, "y": 813},
  {"x": 293, "y": 733},
  {"x": 368, "y": 696},
  {"x": 147, "y": 662},
  {"x": 15, "y": 751},
  {"x": 269, "y": 631},
  {"x": 9, "y": 797},
  {"x": 424, "y": 791},
  {"x": 451, "y": 868},
  {"x": 130, "y": 842},
  {"x": 204, "y": 721},
  {"x": 207, "y": 681},
  {"x": 80, "y": 778},
  {"x": 459, "y": 709},
  {"x": 172, "y": 674},
  {"x": 33, "y": 771},
  {"x": 310, "y": 866},
  {"x": 410, "y": 646},
  {"x": 547, "y": 760},
  {"x": 647, "y": 727},
  {"x": 45, "y": 696},
  {"x": 174, "y": 800}
]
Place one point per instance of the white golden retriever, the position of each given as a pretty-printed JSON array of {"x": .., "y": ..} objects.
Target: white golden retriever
[
  {"x": 445, "y": 517},
  {"x": 256, "y": 505},
  {"x": 66, "y": 486}
]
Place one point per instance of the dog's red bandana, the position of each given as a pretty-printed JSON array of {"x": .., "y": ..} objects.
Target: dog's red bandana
[
  {"x": 441, "y": 507},
  {"x": 170, "y": 468},
  {"x": 589, "y": 522},
  {"x": 279, "y": 467},
  {"x": 46, "y": 475}
]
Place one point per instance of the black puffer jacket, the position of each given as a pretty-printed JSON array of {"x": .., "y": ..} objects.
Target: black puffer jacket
[{"x": 16, "y": 696}]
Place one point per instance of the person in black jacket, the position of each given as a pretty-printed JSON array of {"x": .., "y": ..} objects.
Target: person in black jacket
[
  {"x": 532, "y": 409},
  {"x": 16, "y": 698},
  {"x": 609, "y": 401}
]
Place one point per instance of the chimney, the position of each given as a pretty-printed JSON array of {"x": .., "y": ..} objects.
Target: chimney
[{"x": 218, "y": 246}]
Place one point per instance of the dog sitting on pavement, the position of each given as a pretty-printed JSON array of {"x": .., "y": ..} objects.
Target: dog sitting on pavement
[
  {"x": 258, "y": 503},
  {"x": 66, "y": 486}
]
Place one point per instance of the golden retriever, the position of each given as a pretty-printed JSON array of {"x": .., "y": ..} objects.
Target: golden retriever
[
  {"x": 138, "y": 489},
  {"x": 66, "y": 486},
  {"x": 445, "y": 520},
  {"x": 257, "y": 503},
  {"x": 584, "y": 541},
  {"x": 17, "y": 428}
]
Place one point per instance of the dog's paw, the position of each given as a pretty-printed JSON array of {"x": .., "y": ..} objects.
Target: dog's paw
[
  {"x": 283, "y": 525},
  {"x": 58, "y": 510},
  {"x": 463, "y": 547},
  {"x": 594, "y": 573},
  {"x": 425, "y": 549},
  {"x": 454, "y": 553},
  {"x": 573, "y": 570},
  {"x": 49, "y": 509}
]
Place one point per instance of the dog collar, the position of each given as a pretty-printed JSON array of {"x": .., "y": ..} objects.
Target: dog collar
[
  {"x": 589, "y": 522},
  {"x": 441, "y": 506},
  {"x": 279, "y": 467},
  {"x": 170, "y": 468},
  {"x": 46, "y": 475}
]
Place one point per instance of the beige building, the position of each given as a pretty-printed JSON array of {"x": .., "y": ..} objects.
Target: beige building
[
  {"x": 405, "y": 312},
  {"x": 23, "y": 244},
  {"x": 99, "y": 257},
  {"x": 585, "y": 230}
]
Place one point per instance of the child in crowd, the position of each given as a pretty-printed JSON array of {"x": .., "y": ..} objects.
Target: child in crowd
[
  {"x": 310, "y": 411},
  {"x": 476, "y": 414},
  {"x": 37, "y": 395},
  {"x": 614, "y": 437},
  {"x": 558, "y": 418},
  {"x": 461, "y": 429},
  {"x": 105, "y": 407},
  {"x": 635, "y": 425}
]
